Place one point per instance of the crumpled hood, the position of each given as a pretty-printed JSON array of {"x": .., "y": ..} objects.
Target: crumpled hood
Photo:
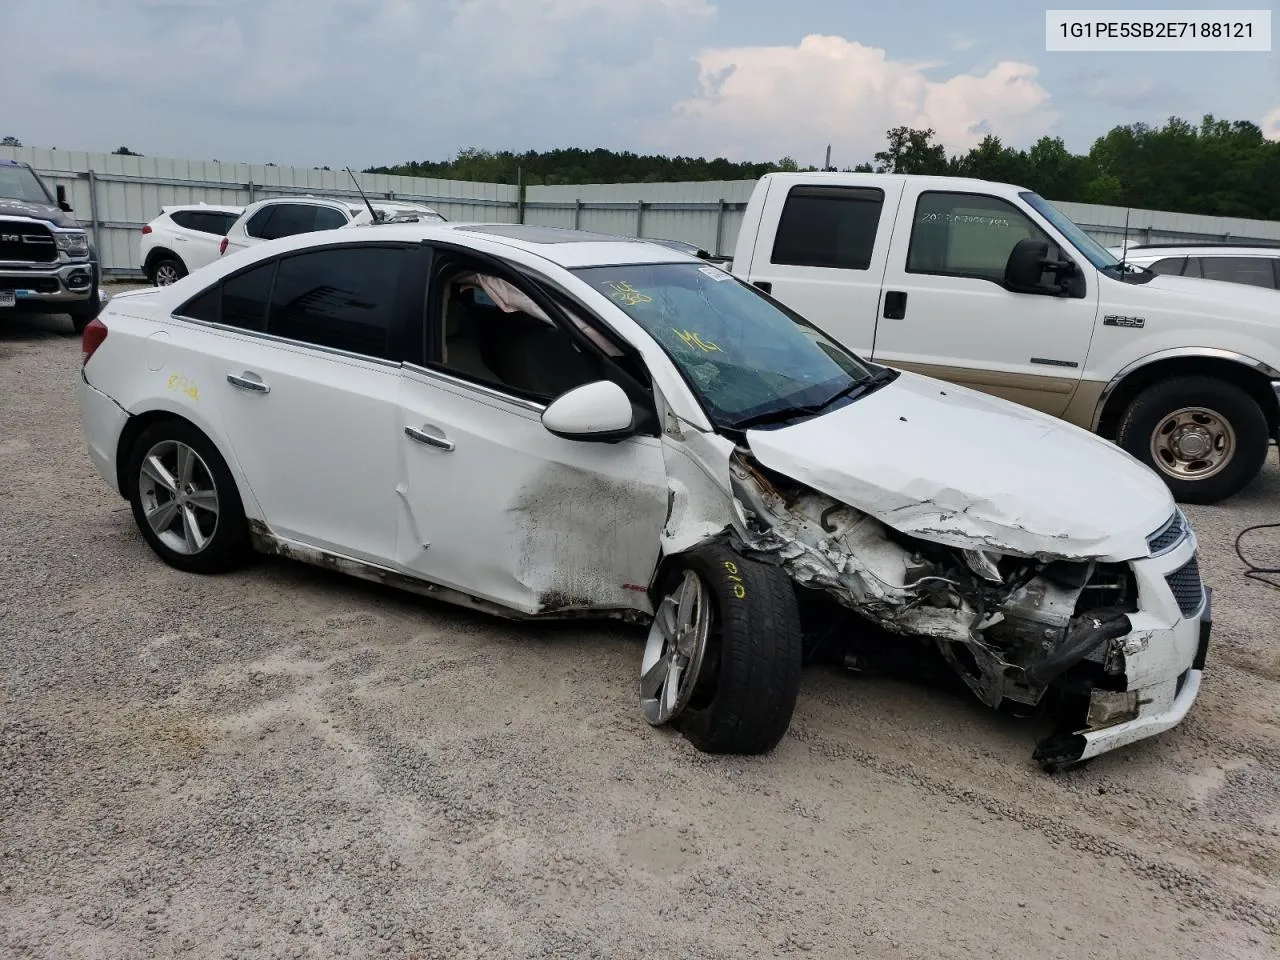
[
  {"x": 955, "y": 466},
  {"x": 38, "y": 211}
]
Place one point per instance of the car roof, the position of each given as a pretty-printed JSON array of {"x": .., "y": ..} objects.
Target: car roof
[
  {"x": 1193, "y": 250},
  {"x": 963, "y": 184},
  {"x": 210, "y": 207}
]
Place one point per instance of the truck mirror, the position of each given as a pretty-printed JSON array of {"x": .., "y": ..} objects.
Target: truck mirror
[
  {"x": 61, "y": 192},
  {"x": 1026, "y": 265}
]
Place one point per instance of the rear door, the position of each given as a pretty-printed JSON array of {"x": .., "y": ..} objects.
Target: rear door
[
  {"x": 199, "y": 235},
  {"x": 947, "y": 313},
  {"x": 302, "y": 354},
  {"x": 822, "y": 251}
]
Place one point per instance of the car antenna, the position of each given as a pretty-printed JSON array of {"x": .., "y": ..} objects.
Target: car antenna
[
  {"x": 1124, "y": 246},
  {"x": 373, "y": 217}
]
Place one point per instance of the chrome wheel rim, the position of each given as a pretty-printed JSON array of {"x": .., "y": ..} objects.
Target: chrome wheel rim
[
  {"x": 675, "y": 649},
  {"x": 179, "y": 497},
  {"x": 1193, "y": 443},
  {"x": 166, "y": 274}
]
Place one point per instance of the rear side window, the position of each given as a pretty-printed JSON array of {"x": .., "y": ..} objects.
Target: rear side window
[
  {"x": 290, "y": 219},
  {"x": 329, "y": 219},
  {"x": 1256, "y": 271},
  {"x": 339, "y": 298},
  {"x": 828, "y": 227},
  {"x": 1169, "y": 266},
  {"x": 185, "y": 218},
  {"x": 244, "y": 298}
]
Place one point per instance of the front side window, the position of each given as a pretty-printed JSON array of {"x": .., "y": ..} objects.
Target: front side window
[
  {"x": 747, "y": 358},
  {"x": 495, "y": 334},
  {"x": 289, "y": 220},
  {"x": 338, "y": 298},
  {"x": 968, "y": 235},
  {"x": 828, "y": 227}
]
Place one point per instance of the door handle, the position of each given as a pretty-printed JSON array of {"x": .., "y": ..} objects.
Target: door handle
[
  {"x": 248, "y": 381},
  {"x": 764, "y": 285},
  {"x": 895, "y": 304},
  {"x": 431, "y": 436}
]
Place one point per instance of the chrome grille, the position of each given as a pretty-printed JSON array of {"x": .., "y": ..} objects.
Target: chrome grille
[
  {"x": 1169, "y": 535},
  {"x": 26, "y": 242},
  {"x": 1187, "y": 587}
]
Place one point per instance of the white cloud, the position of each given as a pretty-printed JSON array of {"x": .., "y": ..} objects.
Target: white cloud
[
  {"x": 775, "y": 101},
  {"x": 1271, "y": 125}
]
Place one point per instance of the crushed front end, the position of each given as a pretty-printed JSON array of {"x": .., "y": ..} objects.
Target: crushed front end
[{"x": 1113, "y": 651}]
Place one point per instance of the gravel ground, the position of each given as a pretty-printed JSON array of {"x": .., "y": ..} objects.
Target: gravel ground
[{"x": 286, "y": 763}]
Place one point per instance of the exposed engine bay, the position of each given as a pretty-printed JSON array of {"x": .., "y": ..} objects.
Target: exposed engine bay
[{"x": 1008, "y": 625}]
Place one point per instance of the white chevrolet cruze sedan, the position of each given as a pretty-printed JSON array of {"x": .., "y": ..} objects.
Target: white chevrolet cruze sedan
[{"x": 545, "y": 423}]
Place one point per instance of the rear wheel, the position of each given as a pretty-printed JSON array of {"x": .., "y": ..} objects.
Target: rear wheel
[
  {"x": 1206, "y": 437},
  {"x": 184, "y": 499},
  {"x": 83, "y": 314},
  {"x": 722, "y": 662},
  {"x": 166, "y": 270}
]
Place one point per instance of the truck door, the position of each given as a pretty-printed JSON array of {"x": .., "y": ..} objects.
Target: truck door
[
  {"x": 822, "y": 250},
  {"x": 946, "y": 311}
]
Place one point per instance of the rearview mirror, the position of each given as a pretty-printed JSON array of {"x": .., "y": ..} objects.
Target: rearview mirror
[
  {"x": 61, "y": 193},
  {"x": 599, "y": 411}
]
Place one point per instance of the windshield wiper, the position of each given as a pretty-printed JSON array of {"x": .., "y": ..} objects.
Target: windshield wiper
[{"x": 856, "y": 389}]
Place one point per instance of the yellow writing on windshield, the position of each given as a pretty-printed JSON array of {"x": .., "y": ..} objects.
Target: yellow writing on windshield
[
  {"x": 694, "y": 339},
  {"x": 625, "y": 293}
]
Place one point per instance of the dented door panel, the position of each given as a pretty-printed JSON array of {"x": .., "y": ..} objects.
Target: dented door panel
[{"x": 515, "y": 515}]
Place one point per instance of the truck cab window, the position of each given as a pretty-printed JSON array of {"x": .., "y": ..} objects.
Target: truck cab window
[{"x": 968, "y": 235}]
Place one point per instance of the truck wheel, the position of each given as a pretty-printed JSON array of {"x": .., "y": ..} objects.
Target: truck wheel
[
  {"x": 1207, "y": 438},
  {"x": 83, "y": 314},
  {"x": 722, "y": 662},
  {"x": 166, "y": 270},
  {"x": 184, "y": 499}
]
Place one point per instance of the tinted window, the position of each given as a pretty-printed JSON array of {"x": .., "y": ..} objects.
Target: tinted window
[
  {"x": 205, "y": 307},
  {"x": 1169, "y": 266},
  {"x": 828, "y": 227},
  {"x": 1192, "y": 268},
  {"x": 1256, "y": 271},
  {"x": 968, "y": 235},
  {"x": 220, "y": 223},
  {"x": 244, "y": 298},
  {"x": 185, "y": 218},
  {"x": 290, "y": 219},
  {"x": 337, "y": 298},
  {"x": 257, "y": 225},
  {"x": 494, "y": 333},
  {"x": 329, "y": 219},
  {"x": 206, "y": 221}
]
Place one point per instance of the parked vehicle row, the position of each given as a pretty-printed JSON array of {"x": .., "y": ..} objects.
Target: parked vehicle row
[
  {"x": 1229, "y": 263},
  {"x": 543, "y": 423},
  {"x": 185, "y": 238},
  {"x": 990, "y": 286}
]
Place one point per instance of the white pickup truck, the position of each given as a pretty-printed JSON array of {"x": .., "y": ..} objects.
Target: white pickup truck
[{"x": 990, "y": 286}]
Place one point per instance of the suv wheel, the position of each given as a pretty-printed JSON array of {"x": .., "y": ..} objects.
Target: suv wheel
[
  {"x": 1207, "y": 438},
  {"x": 166, "y": 270},
  {"x": 722, "y": 661}
]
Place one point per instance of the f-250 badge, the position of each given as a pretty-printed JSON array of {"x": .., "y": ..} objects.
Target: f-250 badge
[{"x": 1113, "y": 320}]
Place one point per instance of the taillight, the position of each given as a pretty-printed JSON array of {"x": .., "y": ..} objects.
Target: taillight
[
  {"x": 94, "y": 334},
  {"x": 222, "y": 247},
  {"x": 146, "y": 229}
]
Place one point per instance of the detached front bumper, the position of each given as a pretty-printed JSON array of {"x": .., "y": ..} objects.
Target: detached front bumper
[{"x": 49, "y": 288}]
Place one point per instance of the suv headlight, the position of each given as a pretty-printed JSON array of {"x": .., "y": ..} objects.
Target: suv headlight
[{"x": 72, "y": 242}]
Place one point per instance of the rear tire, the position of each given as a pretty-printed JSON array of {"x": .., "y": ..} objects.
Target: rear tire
[
  {"x": 184, "y": 499},
  {"x": 1207, "y": 438},
  {"x": 745, "y": 691},
  {"x": 166, "y": 269},
  {"x": 83, "y": 314}
]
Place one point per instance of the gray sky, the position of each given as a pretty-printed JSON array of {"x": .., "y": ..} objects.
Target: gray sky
[{"x": 361, "y": 82}]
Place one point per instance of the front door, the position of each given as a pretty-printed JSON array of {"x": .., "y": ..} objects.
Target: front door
[
  {"x": 490, "y": 502},
  {"x": 946, "y": 313}
]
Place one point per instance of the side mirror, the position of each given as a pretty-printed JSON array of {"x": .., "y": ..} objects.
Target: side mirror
[
  {"x": 1027, "y": 264},
  {"x": 61, "y": 193},
  {"x": 599, "y": 411}
]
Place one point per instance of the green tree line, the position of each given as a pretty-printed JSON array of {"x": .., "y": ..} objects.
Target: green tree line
[{"x": 1218, "y": 168}]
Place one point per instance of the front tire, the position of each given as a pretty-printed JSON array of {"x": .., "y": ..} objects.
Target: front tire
[
  {"x": 184, "y": 499},
  {"x": 722, "y": 663},
  {"x": 1206, "y": 437}
]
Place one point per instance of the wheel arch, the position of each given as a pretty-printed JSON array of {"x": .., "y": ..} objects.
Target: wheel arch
[
  {"x": 1252, "y": 376},
  {"x": 139, "y": 422},
  {"x": 157, "y": 253}
]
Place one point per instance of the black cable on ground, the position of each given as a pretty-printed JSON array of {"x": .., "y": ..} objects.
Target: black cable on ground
[{"x": 1253, "y": 571}]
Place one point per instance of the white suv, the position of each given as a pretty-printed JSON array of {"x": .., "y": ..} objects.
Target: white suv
[
  {"x": 278, "y": 217},
  {"x": 182, "y": 239},
  {"x": 1256, "y": 266}
]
